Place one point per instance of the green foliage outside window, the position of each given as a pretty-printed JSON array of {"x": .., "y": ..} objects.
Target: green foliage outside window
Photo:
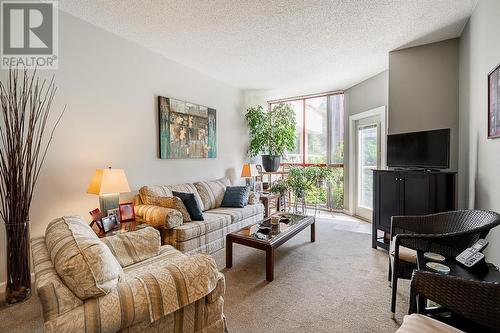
[
  {"x": 311, "y": 182},
  {"x": 336, "y": 183}
]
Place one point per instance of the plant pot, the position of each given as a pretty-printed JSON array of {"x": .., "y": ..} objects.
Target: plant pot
[
  {"x": 271, "y": 163},
  {"x": 18, "y": 288}
]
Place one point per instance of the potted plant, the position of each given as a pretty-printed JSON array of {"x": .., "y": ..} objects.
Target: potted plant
[
  {"x": 271, "y": 133},
  {"x": 25, "y": 136},
  {"x": 279, "y": 187},
  {"x": 320, "y": 175},
  {"x": 299, "y": 181}
]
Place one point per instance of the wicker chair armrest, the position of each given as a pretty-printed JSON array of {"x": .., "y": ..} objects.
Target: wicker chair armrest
[
  {"x": 410, "y": 224},
  {"x": 478, "y": 301},
  {"x": 429, "y": 236},
  {"x": 409, "y": 221},
  {"x": 453, "y": 222}
]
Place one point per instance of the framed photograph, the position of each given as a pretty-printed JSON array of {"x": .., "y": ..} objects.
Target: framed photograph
[
  {"x": 96, "y": 218},
  {"x": 127, "y": 212},
  {"x": 116, "y": 212},
  {"x": 109, "y": 222},
  {"x": 494, "y": 103}
]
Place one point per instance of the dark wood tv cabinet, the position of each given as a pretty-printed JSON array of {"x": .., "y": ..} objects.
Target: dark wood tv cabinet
[{"x": 408, "y": 192}]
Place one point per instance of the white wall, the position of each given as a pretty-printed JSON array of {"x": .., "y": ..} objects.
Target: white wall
[
  {"x": 364, "y": 96},
  {"x": 110, "y": 86},
  {"x": 423, "y": 90},
  {"x": 479, "y": 157}
]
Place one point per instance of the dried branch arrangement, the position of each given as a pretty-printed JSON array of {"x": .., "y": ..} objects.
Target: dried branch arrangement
[{"x": 24, "y": 141}]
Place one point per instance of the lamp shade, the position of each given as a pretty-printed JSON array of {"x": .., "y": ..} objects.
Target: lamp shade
[
  {"x": 249, "y": 170},
  {"x": 107, "y": 181}
]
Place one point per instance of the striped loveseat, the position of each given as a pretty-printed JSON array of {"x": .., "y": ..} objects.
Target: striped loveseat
[
  {"x": 126, "y": 283},
  {"x": 156, "y": 206}
]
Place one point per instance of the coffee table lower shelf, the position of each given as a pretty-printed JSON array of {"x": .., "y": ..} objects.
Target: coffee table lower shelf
[{"x": 269, "y": 246}]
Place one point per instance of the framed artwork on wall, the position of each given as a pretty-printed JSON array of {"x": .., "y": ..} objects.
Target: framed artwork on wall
[
  {"x": 187, "y": 130},
  {"x": 494, "y": 103}
]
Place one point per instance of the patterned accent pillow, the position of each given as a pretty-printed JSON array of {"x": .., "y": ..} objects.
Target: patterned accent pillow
[
  {"x": 168, "y": 202},
  {"x": 166, "y": 191},
  {"x": 84, "y": 263},
  {"x": 212, "y": 192},
  {"x": 235, "y": 196},
  {"x": 191, "y": 204}
]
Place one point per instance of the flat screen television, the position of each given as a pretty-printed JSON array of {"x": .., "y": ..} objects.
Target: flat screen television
[{"x": 426, "y": 149}]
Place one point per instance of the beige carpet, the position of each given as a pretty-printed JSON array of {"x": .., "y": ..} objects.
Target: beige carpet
[{"x": 338, "y": 284}]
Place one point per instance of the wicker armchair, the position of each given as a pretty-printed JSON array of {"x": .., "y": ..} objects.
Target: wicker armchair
[
  {"x": 446, "y": 233},
  {"x": 478, "y": 302}
]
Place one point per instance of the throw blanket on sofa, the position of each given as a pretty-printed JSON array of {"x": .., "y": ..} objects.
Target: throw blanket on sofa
[{"x": 152, "y": 289}]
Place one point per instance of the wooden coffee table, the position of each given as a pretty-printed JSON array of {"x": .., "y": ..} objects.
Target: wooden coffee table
[{"x": 264, "y": 236}]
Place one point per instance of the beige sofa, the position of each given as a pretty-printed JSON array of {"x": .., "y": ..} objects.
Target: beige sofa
[
  {"x": 206, "y": 236},
  {"x": 126, "y": 282}
]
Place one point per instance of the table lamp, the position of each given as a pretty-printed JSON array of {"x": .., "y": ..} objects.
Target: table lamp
[
  {"x": 108, "y": 184},
  {"x": 249, "y": 171}
]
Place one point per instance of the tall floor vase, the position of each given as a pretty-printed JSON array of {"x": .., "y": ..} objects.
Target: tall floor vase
[{"x": 18, "y": 287}]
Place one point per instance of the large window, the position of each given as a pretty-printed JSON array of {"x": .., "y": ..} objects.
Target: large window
[
  {"x": 320, "y": 130},
  {"x": 320, "y": 141}
]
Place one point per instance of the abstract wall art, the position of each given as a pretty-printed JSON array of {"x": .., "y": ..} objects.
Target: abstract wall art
[
  {"x": 494, "y": 103},
  {"x": 187, "y": 130}
]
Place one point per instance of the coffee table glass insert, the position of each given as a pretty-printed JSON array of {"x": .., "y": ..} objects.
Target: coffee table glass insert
[{"x": 267, "y": 232}]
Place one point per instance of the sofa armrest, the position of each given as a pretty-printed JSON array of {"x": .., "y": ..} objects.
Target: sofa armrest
[
  {"x": 54, "y": 296},
  {"x": 157, "y": 216},
  {"x": 135, "y": 246},
  {"x": 219, "y": 291}
]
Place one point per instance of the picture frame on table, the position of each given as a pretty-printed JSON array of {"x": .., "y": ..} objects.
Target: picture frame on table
[
  {"x": 127, "y": 212},
  {"x": 494, "y": 103},
  {"x": 109, "y": 222},
  {"x": 115, "y": 211},
  {"x": 96, "y": 218}
]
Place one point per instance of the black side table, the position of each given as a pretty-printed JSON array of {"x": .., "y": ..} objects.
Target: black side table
[
  {"x": 477, "y": 283},
  {"x": 484, "y": 271}
]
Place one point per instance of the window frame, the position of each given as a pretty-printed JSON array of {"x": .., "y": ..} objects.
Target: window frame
[{"x": 304, "y": 128}]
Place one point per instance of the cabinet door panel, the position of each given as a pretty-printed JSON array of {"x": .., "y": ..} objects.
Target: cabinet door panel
[
  {"x": 416, "y": 194},
  {"x": 388, "y": 198}
]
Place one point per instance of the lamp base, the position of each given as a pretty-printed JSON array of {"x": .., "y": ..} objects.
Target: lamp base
[
  {"x": 108, "y": 201},
  {"x": 250, "y": 182}
]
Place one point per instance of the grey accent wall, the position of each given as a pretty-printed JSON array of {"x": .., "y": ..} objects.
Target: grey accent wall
[
  {"x": 479, "y": 156},
  {"x": 110, "y": 86},
  {"x": 367, "y": 95},
  {"x": 423, "y": 90}
]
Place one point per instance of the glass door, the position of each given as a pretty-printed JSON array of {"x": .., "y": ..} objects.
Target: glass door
[{"x": 368, "y": 159}]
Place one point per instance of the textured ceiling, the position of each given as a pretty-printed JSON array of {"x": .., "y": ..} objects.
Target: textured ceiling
[{"x": 250, "y": 44}]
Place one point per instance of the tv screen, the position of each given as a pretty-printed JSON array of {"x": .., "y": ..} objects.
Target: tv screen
[{"x": 427, "y": 149}]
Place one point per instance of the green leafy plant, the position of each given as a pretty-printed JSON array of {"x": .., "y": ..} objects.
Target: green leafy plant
[
  {"x": 303, "y": 180},
  {"x": 279, "y": 187},
  {"x": 299, "y": 180},
  {"x": 320, "y": 175},
  {"x": 272, "y": 132}
]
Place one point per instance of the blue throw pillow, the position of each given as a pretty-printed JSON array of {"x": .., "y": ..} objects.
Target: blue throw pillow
[
  {"x": 235, "y": 196},
  {"x": 189, "y": 200}
]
